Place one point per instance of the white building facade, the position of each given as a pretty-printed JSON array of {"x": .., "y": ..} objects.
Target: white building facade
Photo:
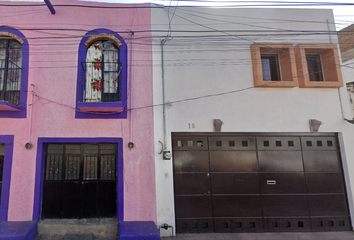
[{"x": 235, "y": 91}]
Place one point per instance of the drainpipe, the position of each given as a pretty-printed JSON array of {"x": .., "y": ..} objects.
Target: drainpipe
[
  {"x": 339, "y": 93},
  {"x": 163, "y": 41},
  {"x": 50, "y": 6},
  {"x": 130, "y": 85}
]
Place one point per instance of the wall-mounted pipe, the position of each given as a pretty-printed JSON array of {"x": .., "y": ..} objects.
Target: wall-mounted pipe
[
  {"x": 50, "y": 6},
  {"x": 163, "y": 41}
]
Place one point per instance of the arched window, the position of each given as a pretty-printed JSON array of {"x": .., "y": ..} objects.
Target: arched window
[
  {"x": 102, "y": 76},
  {"x": 10, "y": 70},
  {"x": 14, "y": 55},
  {"x": 103, "y": 71}
]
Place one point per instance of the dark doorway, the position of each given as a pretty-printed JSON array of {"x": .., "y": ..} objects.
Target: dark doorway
[{"x": 80, "y": 181}]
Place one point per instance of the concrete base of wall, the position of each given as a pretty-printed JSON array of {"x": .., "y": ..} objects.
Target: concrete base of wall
[
  {"x": 143, "y": 230},
  {"x": 18, "y": 230},
  {"x": 100, "y": 228}
]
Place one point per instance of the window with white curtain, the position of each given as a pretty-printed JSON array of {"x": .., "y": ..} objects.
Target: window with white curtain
[{"x": 102, "y": 72}]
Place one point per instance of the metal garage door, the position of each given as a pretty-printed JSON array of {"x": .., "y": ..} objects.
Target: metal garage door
[{"x": 256, "y": 183}]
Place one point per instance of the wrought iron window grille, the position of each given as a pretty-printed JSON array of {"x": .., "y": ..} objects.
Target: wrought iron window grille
[
  {"x": 101, "y": 84},
  {"x": 10, "y": 72}
]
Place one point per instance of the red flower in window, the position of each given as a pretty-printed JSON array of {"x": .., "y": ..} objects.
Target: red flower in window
[
  {"x": 97, "y": 47},
  {"x": 96, "y": 84},
  {"x": 98, "y": 63}
]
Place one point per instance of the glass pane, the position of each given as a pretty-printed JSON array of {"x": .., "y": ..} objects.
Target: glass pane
[
  {"x": 72, "y": 170},
  {"x": 54, "y": 167},
  {"x": 14, "y": 66},
  {"x": 102, "y": 66},
  {"x": 2, "y": 49},
  {"x": 314, "y": 67},
  {"x": 266, "y": 70},
  {"x": 111, "y": 70},
  {"x": 108, "y": 167},
  {"x": 93, "y": 85},
  {"x": 2, "y": 62},
  {"x": 270, "y": 68},
  {"x": 90, "y": 168}
]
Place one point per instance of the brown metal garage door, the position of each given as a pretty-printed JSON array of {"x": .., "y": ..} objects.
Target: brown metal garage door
[{"x": 256, "y": 183}]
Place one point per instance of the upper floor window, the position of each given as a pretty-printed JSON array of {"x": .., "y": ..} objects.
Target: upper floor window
[
  {"x": 270, "y": 68},
  {"x": 318, "y": 65},
  {"x": 102, "y": 76},
  {"x": 10, "y": 70},
  {"x": 273, "y": 65},
  {"x": 14, "y": 55},
  {"x": 314, "y": 67},
  {"x": 102, "y": 67}
]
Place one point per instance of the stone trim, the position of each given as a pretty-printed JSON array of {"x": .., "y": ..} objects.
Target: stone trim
[
  {"x": 330, "y": 65},
  {"x": 98, "y": 37},
  {"x": 7, "y": 34}
]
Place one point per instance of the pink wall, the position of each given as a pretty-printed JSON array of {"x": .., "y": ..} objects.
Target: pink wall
[{"x": 53, "y": 71}]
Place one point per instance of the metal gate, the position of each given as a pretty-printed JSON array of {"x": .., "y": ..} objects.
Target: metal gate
[
  {"x": 248, "y": 183},
  {"x": 80, "y": 181}
]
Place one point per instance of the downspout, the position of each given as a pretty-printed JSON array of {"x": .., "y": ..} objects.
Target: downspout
[
  {"x": 130, "y": 85},
  {"x": 163, "y": 41},
  {"x": 338, "y": 89},
  {"x": 50, "y": 6}
]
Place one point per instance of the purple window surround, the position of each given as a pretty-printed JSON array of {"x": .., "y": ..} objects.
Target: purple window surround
[
  {"x": 40, "y": 161},
  {"x": 8, "y": 140},
  {"x": 24, "y": 77},
  {"x": 123, "y": 58}
]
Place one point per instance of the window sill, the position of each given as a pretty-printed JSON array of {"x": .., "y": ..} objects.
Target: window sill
[
  {"x": 6, "y": 106},
  {"x": 100, "y": 107}
]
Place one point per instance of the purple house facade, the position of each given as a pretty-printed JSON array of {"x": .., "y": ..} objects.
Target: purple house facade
[{"x": 75, "y": 89}]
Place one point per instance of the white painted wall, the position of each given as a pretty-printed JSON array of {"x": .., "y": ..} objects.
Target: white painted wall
[
  {"x": 208, "y": 75},
  {"x": 348, "y": 76}
]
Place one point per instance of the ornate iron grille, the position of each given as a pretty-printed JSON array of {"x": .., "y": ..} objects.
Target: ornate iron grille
[
  {"x": 54, "y": 167},
  {"x": 101, "y": 74},
  {"x": 76, "y": 161},
  {"x": 103, "y": 84},
  {"x": 10, "y": 71},
  {"x": 80, "y": 181},
  {"x": 72, "y": 167},
  {"x": 108, "y": 167}
]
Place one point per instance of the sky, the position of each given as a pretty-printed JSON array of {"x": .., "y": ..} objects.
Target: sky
[{"x": 343, "y": 10}]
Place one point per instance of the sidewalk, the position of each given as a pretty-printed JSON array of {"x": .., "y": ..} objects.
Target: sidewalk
[{"x": 266, "y": 236}]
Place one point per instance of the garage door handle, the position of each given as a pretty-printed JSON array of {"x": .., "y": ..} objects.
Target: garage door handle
[{"x": 271, "y": 182}]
